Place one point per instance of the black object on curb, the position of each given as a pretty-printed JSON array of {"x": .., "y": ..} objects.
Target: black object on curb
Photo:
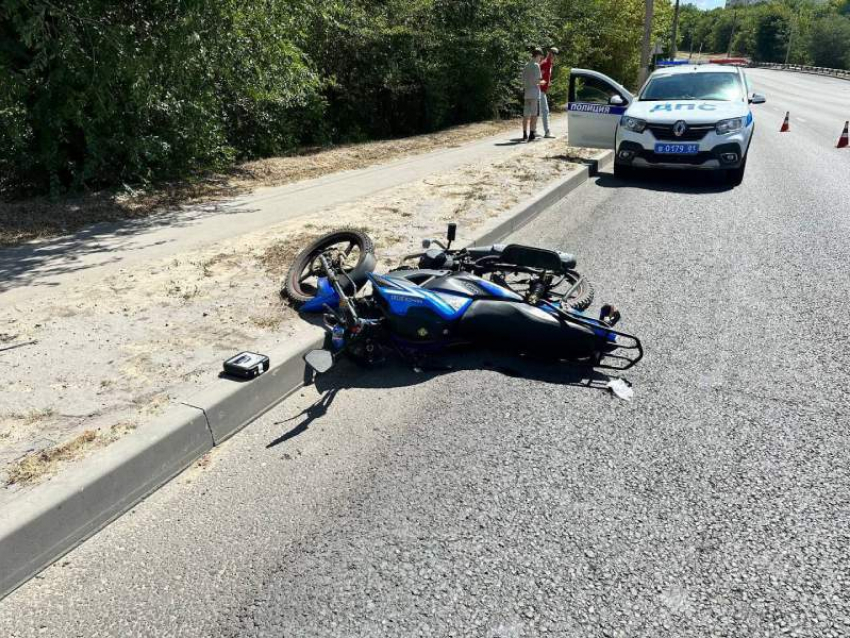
[{"x": 246, "y": 365}]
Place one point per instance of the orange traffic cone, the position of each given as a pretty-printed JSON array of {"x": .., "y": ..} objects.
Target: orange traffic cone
[
  {"x": 844, "y": 140},
  {"x": 785, "y": 126}
]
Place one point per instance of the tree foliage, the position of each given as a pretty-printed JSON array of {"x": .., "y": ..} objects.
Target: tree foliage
[
  {"x": 101, "y": 92},
  {"x": 806, "y": 31}
]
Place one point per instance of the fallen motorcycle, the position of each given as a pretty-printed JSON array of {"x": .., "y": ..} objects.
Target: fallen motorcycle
[{"x": 520, "y": 298}]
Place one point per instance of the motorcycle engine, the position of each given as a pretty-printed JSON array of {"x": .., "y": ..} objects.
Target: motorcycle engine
[{"x": 436, "y": 259}]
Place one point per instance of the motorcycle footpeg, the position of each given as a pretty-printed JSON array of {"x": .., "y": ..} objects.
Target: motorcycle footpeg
[{"x": 331, "y": 320}]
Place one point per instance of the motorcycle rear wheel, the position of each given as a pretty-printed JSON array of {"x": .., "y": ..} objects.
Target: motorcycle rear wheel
[
  {"x": 582, "y": 297},
  {"x": 358, "y": 258}
]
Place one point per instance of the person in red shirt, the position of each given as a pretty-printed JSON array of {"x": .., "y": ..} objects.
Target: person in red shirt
[{"x": 546, "y": 71}]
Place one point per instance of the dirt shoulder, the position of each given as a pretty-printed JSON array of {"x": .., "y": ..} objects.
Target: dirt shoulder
[
  {"x": 40, "y": 218},
  {"x": 105, "y": 356}
]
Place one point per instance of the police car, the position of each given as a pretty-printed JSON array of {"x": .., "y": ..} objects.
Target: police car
[{"x": 693, "y": 117}]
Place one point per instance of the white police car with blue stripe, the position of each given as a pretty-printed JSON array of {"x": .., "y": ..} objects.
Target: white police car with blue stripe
[{"x": 692, "y": 117}]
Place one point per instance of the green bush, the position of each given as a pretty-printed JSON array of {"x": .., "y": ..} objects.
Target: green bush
[
  {"x": 98, "y": 93},
  {"x": 103, "y": 92}
]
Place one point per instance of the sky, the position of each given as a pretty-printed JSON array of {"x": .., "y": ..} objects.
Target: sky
[{"x": 707, "y": 4}]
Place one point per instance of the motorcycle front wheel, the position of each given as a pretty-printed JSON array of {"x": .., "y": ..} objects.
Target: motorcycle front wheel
[{"x": 350, "y": 251}]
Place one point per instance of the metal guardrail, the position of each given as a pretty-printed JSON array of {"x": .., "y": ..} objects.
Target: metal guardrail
[{"x": 843, "y": 74}]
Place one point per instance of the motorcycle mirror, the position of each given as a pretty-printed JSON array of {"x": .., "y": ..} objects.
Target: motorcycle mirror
[
  {"x": 320, "y": 360},
  {"x": 452, "y": 232},
  {"x": 426, "y": 244}
]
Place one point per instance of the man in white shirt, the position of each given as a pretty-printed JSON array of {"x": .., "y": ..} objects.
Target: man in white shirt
[{"x": 532, "y": 78}]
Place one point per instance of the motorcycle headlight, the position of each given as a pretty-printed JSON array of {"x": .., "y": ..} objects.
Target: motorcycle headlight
[
  {"x": 734, "y": 125},
  {"x": 633, "y": 124}
]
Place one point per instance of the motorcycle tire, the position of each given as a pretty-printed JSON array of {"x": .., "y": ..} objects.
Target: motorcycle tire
[
  {"x": 293, "y": 288},
  {"x": 582, "y": 296}
]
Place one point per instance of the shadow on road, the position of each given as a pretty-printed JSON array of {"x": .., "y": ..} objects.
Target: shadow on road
[
  {"x": 511, "y": 142},
  {"x": 672, "y": 181},
  {"x": 395, "y": 374}
]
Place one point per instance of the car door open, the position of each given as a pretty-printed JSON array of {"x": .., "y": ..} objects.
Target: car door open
[{"x": 596, "y": 103}]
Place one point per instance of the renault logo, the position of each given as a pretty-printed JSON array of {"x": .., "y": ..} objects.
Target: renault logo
[{"x": 679, "y": 128}]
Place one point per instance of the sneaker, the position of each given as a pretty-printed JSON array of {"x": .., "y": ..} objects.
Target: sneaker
[
  {"x": 524, "y": 136},
  {"x": 549, "y": 136},
  {"x": 531, "y": 136}
]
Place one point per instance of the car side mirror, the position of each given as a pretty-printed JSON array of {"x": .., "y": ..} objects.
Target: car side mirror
[
  {"x": 320, "y": 360},
  {"x": 757, "y": 98},
  {"x": 616, "y": 100}
]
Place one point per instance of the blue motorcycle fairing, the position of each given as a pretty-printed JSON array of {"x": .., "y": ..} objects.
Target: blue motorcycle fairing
[
  {"x": 326, "y": 295},
  {"x": 401, "y": 296},
  {"x": 496, "y": 290}
]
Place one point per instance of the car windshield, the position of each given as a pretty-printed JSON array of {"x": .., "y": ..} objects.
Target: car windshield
[{"x": 693, "y": 86}]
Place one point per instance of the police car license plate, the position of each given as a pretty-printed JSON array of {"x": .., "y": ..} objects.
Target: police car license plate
[{"x": 677, "y": 149}]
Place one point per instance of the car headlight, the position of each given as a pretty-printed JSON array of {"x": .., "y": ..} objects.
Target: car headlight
[
  {"x": 633, "y": 124},
  {"x": 734, "y": 125}
]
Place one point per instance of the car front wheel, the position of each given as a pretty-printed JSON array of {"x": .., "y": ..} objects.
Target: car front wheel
[
  {"x": 736, "y": 175},
  {"x": 623, "y": 171}
]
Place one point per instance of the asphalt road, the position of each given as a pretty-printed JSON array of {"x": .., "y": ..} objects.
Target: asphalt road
[{"x": 509, "y": 498}]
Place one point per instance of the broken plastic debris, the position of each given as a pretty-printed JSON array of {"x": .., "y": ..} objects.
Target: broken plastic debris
[{"x": 621, "y": 389}]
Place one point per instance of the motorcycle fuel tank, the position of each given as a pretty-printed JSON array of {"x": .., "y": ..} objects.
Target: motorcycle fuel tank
[{"x": 426, "y": 305}]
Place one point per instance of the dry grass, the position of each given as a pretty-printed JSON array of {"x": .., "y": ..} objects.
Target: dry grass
[
  {"x": 150, "y": 403},
  {"x": 34, "y": 467},
  {"x": 40, "y": 217},
  {"x": 182, "y": 291},
  {"x": 277, "y": 258},
  {"x": 270, "y": 321},
  {"x": 208, "y": 265},
  {"x": 317, "y": 162},
  {"x": 33, "y": 416}
]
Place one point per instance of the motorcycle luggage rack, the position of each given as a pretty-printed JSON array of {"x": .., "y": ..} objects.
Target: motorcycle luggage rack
[
  {"x": 633, "y": 344},
  {"x": 630, "y": 362}
]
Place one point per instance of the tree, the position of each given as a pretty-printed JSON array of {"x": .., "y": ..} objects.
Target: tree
[
  {"x": 772, "y": 31},
  {"x": 830, "y": 43}
]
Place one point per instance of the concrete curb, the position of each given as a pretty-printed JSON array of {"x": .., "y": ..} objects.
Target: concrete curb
[
  {"x": 59, "y": 515},
  {"x": 230, "y": 405},
  {"x": 522, "y": 214},
  {"x": 62, "y": 513}
]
